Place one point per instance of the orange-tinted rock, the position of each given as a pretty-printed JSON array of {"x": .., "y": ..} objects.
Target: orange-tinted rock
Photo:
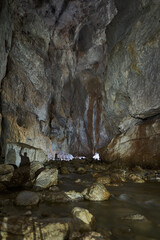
[{"x": 138, "y": 146}]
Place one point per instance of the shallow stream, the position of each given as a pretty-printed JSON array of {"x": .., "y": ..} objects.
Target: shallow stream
[{"x": 127, "y": 199}]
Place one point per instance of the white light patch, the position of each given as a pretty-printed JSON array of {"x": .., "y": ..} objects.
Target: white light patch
[{"x": 96, "y": 156}]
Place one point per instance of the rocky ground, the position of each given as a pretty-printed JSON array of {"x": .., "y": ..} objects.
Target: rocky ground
[{"x": 24, "y": 188}]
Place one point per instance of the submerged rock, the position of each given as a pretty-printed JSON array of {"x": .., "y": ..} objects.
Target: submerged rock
[
  {"x": 96, "y": 192},
  {"x": 75, "y": 196},
  {"x": 93, "y": 236},
  {"x": 27, "y": 198},
  {"x": 47, "y": 178},
  {"x": 27, "y": 228}
]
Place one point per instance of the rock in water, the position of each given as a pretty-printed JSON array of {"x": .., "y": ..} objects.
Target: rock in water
[
  {"x": 27, "y": 198},
  {"x": 74, "y": 196},
  {"x": 47, "y": 178},
  {"x": 27, "y": 228},
  {"x": 6, "y": 172},
  {"x": 96, "y": 192},
  {"x": 83, "y": 214}
]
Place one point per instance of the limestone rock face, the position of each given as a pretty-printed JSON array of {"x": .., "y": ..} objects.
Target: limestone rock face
[
  {"x": 75, "y": 74},
  {"x": 132, "y": 85},
  {"x": 138, "y": 146},
  {"x": 5, "y": 35},
  {"x": 15, "y": 153},
  {"x": 52, "y": 93}
]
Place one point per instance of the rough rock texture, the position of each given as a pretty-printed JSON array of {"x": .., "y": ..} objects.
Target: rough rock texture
[
  {"x": 78, "y": 73},
  {"x": 6, "y": 172},
  {"x": 96, "y": 192},
  {"x": 132, "y": 86},
  {"x": 29, "y": 228},
  {"x": 5, "y": 36},
  {"x": 138, "y": 146},
  {"x": 52, "y": 93},
  {"x": 15, "y": 152},
  {"x": 83, "y": 214},
  {"x": 47, "y": 178}
]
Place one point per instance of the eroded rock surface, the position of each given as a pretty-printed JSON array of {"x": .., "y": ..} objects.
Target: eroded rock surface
[
  {"x": 140, "y": 145},
  {"x": 52, "y": 93},
  {"x": 78, "y": 74}
]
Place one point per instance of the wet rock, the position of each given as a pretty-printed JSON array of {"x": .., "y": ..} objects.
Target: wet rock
[
  {"x": 64, "y": 170},
  {"x": 93, "y": 236},
  {"x": 47, "y": 178},
  {"x": 96, "y": 192},
  {"x": 135, "y": 178},
  {"x": 82, "y": 170},
  {"x": 26, "y": 198},
  {"x": 28, "y": 227},
  {"x": 54, "y": 197},
  {"x": 104, "y": 180},
  {"x": 74, "y": 196},
  {"x": 6, "y": 172},
  {"x": 83, "y": 214},
  {"x": 78, "y": 180},
  {"x": 117, "y": 178},
  {"x": 135, "y": 217}
]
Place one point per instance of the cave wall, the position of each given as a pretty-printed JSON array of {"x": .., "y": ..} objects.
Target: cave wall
[
  {"x": 52, "y": 92},
  {"x": 76, "y": 75},
  {"x": 132, "y": 85}
]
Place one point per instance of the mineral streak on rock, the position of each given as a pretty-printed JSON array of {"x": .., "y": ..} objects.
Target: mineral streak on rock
[
  {"x": 76, "y": 75},
  {"x": 52, "y": 92}
]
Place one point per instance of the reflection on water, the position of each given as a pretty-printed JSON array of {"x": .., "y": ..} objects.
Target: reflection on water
[{"x": 129, "y": 199}]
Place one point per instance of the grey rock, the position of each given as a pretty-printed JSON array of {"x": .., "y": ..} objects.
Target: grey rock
[
  {"x": 27, "y": 198},
  {"x": 47, "y": 178}
]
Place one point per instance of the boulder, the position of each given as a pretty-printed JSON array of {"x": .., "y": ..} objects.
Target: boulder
[
  {"x": 96, "y": 192},
  {"x": 6, "y": 172},
  {"x": 34, "y": 167},
  {"x": 15, "y": 153},
  {"x": 47, "y": 178},
  {"x": 83, "y": 214},
  {"x": 27, "y": 198}
]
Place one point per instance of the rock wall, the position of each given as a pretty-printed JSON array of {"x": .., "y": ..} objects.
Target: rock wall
[
  {"x": 52, "y": 92},
  {"x": 132, "y": 86},
  {"x": 79, "y": 73}
]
